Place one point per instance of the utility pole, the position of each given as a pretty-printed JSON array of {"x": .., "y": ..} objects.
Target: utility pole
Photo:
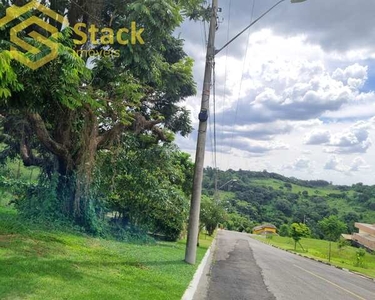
[{"x": 193, "y": 227}]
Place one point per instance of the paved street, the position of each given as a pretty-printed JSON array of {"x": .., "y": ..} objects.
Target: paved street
[{"x": 244, "y": 268}]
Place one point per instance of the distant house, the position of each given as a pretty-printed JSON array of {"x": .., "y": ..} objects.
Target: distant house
[
  {"x": 365, "y": 237},
  {"x": 265, "y": 229}
]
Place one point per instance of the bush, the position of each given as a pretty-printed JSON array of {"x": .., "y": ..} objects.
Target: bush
[
  {"x": 284, "y": 230},
  {"x": 360, "y": 255}
]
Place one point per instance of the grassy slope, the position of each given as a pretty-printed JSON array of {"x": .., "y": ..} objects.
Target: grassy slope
[
  {"x": 341, "y": 205},
  {"x": 344, "y": 258},
  {"x": 45, "y": 264},
  {"x": 276, "y": 184}
]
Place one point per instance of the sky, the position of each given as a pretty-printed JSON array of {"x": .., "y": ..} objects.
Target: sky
[{"x": 295, "y": 94}]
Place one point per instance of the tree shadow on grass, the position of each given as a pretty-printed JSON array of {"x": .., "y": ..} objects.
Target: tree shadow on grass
[
  {"x": 21, "y": 276},
  {"x": 24, "y": 277}
]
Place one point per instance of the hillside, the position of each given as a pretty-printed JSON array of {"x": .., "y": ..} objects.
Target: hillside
[{"x": 270, "y": 197}]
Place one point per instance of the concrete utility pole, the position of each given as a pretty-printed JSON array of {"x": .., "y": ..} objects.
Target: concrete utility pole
[{"x": 193, "y": 229}]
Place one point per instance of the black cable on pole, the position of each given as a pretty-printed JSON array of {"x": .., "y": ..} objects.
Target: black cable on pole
[{"x": 247, "y": 27}]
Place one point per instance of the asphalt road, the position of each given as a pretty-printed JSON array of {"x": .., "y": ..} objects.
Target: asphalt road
[{"x": 243, "y": 268}]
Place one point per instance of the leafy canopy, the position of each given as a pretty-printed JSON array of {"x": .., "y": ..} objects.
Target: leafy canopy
[{"x": 332, "y": 228}]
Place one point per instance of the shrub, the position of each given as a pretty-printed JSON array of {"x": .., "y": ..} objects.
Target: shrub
[
  {"x": 284, "y": 230},
  {"x": 360, "y": 255}
]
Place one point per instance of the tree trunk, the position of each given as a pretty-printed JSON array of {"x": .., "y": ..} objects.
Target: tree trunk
[{"x": 74, "y": 165}]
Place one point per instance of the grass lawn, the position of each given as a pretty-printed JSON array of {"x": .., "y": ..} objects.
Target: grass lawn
[
  {"x": 345, "y": 257},
  {"x": 47, "y": 264},
  {"x": 276, "y": 184}
]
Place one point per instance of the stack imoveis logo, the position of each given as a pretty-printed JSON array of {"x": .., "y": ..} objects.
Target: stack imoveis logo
[
  {"x": 14, "y": 12},
  {"x": 33, "y": 58}
]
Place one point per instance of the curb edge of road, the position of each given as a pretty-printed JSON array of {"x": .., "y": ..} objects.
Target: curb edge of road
[
  {"x": 320, "y": 261},
  {"x": 193, "y": 285}
]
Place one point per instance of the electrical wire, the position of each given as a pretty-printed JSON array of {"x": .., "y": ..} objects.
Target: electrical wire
[
  {"x": 241, "y": 81},
  {"x": 225, "y": 76}
]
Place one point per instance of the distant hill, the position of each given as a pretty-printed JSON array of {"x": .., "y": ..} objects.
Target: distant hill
[{"x": 270, "y": 197}]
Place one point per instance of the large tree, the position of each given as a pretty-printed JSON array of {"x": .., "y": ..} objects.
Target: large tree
[{"x": 59, "y": 116}]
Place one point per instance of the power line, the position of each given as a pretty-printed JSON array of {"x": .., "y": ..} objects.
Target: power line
[
  {"x": 241, "y": 81},
  {"x": 225, "y": 73}
]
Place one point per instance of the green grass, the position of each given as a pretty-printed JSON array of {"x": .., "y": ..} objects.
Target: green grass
[
  {"x": 276, "y": 184},
  {"x": 345, "y": 257},
  {"x": 17, "y": 169},
  {"x": 47, "y": 264}
]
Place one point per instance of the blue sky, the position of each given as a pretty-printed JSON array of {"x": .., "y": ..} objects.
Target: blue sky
[{"x": 295, "y": 95}]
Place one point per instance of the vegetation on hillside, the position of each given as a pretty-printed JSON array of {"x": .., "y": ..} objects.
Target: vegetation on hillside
[{"x": 262, "y": 197}]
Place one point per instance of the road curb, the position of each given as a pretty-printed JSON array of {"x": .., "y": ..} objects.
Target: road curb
[
  {"x": 193, "y": 285},
  {"x": 320, "y": 261}
]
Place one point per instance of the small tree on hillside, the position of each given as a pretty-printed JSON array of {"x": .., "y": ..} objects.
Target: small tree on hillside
[
  {"x": 332, "y": 228},
  {"x": 284, "y": 230},
  {"x": 297, "y": 232}
]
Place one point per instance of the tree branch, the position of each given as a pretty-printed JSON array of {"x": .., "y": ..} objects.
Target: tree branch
[
  {"x": 38, "y": 126},
  {"x": 105, "y": 139},
  {"x": 140, "y": 124},
  {"x": 27, "y": 155}
]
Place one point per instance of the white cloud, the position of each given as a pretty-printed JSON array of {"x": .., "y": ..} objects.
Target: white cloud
[
  {"x": 257, "y": 147},
  {"x": 354, "y": 76},
  {"x": 362, "y": 108},
  {"x": 317, "y": 137},
  {"x": 354, "y": 140},
  {"x": 301, "y": 163},
  {"x": 358, "y": 164},
  {"x": 336, "y": 164},
  {"x": 303, "y": 90}
]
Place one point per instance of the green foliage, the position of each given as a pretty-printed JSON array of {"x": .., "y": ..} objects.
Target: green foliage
[
  {"x": 146, "y": 185},
  {"x": 8, "y": 77},
  {"x": 284, "y": 230},
  {"x": 332, "y": 228},
  {"x": 64, "y": 113},
  {"x": 236, "y": 222},
  {"x": 39, "y": 203},
  {"x": 258, "y": 197},
  {"x": 360, "y": 255},
  {"x": 298, "y": 231},
  {"x": 211, "y": 214}
]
